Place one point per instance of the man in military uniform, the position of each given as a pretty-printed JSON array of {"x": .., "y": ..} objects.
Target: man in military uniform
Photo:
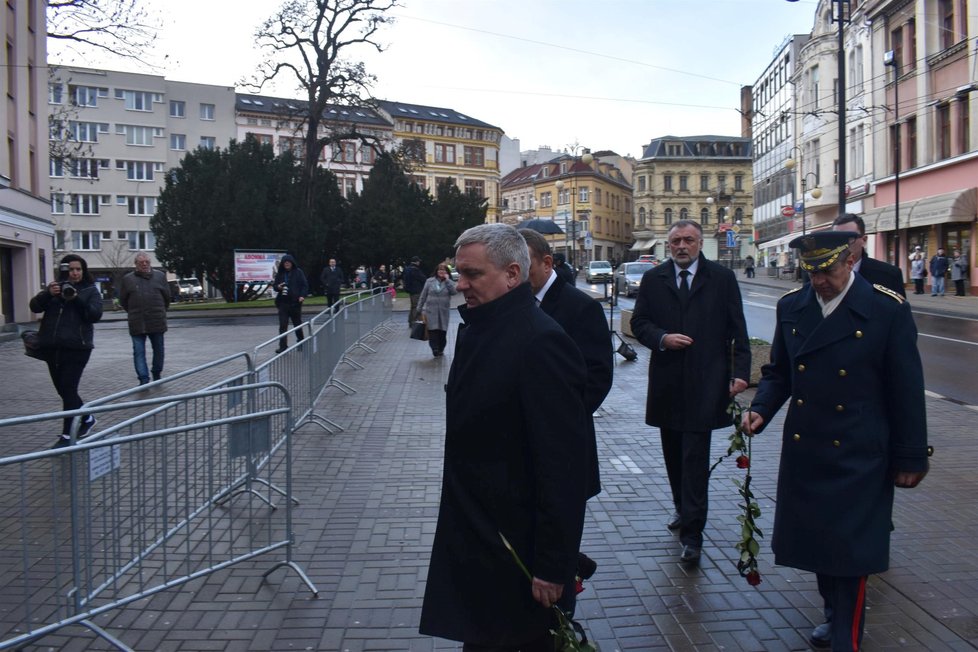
[{"x": 843, "y": 357}]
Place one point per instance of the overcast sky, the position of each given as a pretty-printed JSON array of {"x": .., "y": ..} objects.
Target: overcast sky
[{"x": 605, "y": 74}]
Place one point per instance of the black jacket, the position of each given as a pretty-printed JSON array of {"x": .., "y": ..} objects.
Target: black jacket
[
  {"x": 332, "y": 279},
  {"x": 295, "y": 279},
  {"x": 413, "y": 279},
  {"x": 583, "y": 319},
  {"x": 67, "y": 324},
  {"x": 689, "y": 389},
  {"x": 882, "y": 273}
]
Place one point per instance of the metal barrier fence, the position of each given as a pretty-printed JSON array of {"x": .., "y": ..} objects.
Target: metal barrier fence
[
  {"x": 149, "y": 500},
  {"x": 95, "y": 526}
]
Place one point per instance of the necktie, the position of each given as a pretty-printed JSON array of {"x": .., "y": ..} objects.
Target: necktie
[{"x": 684, "y": 286}]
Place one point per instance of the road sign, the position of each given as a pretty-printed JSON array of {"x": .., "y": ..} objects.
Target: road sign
[
  {"x": 788, "y": 211},
  {"x": 731, "y": 239}
]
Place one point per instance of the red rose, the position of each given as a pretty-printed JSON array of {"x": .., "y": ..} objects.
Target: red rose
[
  {"x": 753, "y": 578},
  {"x": 743, "y": 462}
]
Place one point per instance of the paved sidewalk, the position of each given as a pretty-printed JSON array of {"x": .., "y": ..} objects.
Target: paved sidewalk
[{"x": 370, "y": 497}]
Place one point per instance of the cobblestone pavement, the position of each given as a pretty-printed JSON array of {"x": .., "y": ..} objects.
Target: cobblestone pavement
[{"x": 369, "y": 499}]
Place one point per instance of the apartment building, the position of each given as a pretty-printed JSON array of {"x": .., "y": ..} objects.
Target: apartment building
[
  {"x": 281, "y": 123},
  {"x": 925, "y": 155},
  {"x": 448, "y": 146},
  {"x": 114, "y": 135},
  {"x": 27, "y": 259},
  {"x": 707, "y": 179},
  {"x": 588, "y": 197}
]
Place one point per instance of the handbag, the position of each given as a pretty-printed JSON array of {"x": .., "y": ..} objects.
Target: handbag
[
  {"x": 419, "y": 331},
  {"x": 32, "y": 345}
]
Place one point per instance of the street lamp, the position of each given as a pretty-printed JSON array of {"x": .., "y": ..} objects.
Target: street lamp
[
  {"x": 890, "y": 59},
  {"x": 586, "y": 158},
  {"x": 816, "y": 191}
]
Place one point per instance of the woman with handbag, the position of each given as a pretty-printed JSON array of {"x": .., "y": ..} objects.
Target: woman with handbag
[
  {"x": 70, "y": 306},
  {"x": 433, "y": 306}
]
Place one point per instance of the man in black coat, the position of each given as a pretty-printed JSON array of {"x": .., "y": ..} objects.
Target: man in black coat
[
  {"x": 690, "y": 316},
  {"x": 515, "y": 458},
  {"x": 414, "y": 280},
  {"x": 583, "y": 319},
  {"x": 845, "y": 355},
  {"x": 874, "y": 271},
  {"x": 564, "y": 270},
  {"x": 292, "y": 287},
  {"x": 332, "y": 280}
]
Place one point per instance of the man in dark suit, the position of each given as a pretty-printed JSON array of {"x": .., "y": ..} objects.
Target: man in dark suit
[
  {"x": 564, "y": 270},
  {"x": 583, "y": 319},
  {"x": 332, "y": 280},
  {"x": 874, "y": 271},
  {"x": 515, "y": 458},
  {"x": 690, "y": 316},
  {"x": 844, "y": 353}
]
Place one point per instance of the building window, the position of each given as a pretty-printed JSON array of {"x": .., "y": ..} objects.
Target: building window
[
  {"x": 444, "y": 153},
  {"x": 641, "y": 183},
  {"x": 178, "y": 109},
  {"x": 85, "y": 204},
  {"x": 137, "y": 170},
  {"x": 964, "y": 124},
  {"x": 368, "y": 155},
  {"x": 137, "y": 205},
  {"x": 641, "y": 216},
  {"x": 136, "y": 100},
  {"x": 583, "y": 194},
  {"x": 943, "y": 117},
  {"x": 345, "y": 152},
  {"x": 722, "y": 182},
  {"x": 475, "y": 187},
  {"x": 546, "y": 199},
  {"x": 86, "y": 240},
  {"x": 597, "y": 196},
  {"x": 206, "y": 111},
  {"x": 813, "y": 86},
  {"x": 139, "y": 240},
  {"x": 57, "y": 168},
  {"x": 84, "y": 95},
  {"x": 475, "y": 157},
  {"x": 56, "y": 94},
  {"x": 84, "y": 168},
  {"x": 668, "y": 216},
  {"x": 911, "y": 61},
  {"x": 84, "y": 132},
  {"x": 138, "y": 135},
  {"x": 178, "y": 142},
  {"x": 208, "y": 142},
  {"x": 683, "y": 214},
  {"x": 704, "y": 216},
  {"x": 739, "y": 182},
  {"x": 911, "y": 143},
  {"x": 58, "y": 203},
  {"x": 683, "y": 182},
  {"x": 414, "y": 151},
  {"x": 945, "y": 23},
  {"x": 704, "y": 183},
  {"x": 667, "y": 182}
]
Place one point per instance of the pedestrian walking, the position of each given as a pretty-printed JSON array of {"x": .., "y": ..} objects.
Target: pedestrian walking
[
  {"x": 749, "y": 266},
  {"x": 515, "y": 451},
  {"x": 145, "y": 296},
  {"x": 70, "y": 306},
  {"x": 414, "y": 280},
  {"x": 689, "y": 314},
  {"x": 918, "y": 271},
  {"x": 845, "y": 355},
  {"x": 332, "y": 280},
  {"x": 434, "y": 304},
  {"x": 939, "y": 265},
  {"x": 293, "y": 288}
]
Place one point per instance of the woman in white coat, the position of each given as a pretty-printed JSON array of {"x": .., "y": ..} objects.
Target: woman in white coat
[{"x": 434, "y": 304}]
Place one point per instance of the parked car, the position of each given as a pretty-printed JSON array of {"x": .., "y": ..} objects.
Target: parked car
[
  {"x": 628, "y": 277},
  {"x": 190, "y": 288},
  {"x": 598, "y": 271},
  {"x": 648, "y": 258}
]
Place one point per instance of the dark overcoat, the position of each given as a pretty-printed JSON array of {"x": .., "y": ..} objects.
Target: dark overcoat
[
  {"x": 856, "y": 415},
  {"x": 882, "y": 273},
  {"x": 515, "y": 451},
  {"x": 583, "y": 319},
  {"x": 689, "y": 389},
  {"x": 145, "y": 298}
]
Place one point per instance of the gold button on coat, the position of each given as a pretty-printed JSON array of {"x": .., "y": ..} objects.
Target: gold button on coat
[
  {"x": 836, "y": 443},
  {"x": 859, "y": 334},
  {"x": 842, "y": 372},
  {"x": 839, "y": 408},
  {"x": 801, "y": 367},
  {"x": 800, "y": 402},
  {"x": 796, "y": 437}
]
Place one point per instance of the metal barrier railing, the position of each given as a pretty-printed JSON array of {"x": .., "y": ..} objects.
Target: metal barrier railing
[
  {"x": 103, "y": 523},
  {"x": 149, "y": 500}
]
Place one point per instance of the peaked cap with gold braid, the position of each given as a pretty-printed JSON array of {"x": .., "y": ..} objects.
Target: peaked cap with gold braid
[{"x": 820, "y": 250}]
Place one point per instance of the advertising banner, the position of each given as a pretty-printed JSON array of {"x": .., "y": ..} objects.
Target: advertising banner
[{"x": 255, "y": 266}]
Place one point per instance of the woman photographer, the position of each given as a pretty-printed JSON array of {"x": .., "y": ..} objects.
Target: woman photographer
[{"x": 70, "y": 306}]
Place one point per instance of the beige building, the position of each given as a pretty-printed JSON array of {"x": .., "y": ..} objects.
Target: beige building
[
  {"x": 587, "y": 197},
  {"x": 27, "y": 259},
  {"x": 707, "y": 179}
]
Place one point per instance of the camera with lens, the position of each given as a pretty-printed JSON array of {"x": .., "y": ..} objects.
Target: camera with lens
[
  {"x": 68, "y": 291},
  {"x": 285, "y": 290}
]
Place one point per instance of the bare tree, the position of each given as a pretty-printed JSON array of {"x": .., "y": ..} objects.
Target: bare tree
[
  {"x": 119, "y": 27},
  {"x": 313, "y": 41}
]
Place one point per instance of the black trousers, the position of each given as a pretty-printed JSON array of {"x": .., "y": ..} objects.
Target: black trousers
[
  {"x": 687, "y": 458},
  {"x": 437, "y": 340},
  {"x": 291, "y": 310},
  {"x": 66, "y": 367},
  {"x": 845, "y": 608},
  {"x": 959, "y": 287},
  {"x": 331, "y": 298}
]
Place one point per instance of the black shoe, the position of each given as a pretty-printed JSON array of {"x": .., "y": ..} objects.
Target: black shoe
[
  {"x": 157, "y": 375},
  {"x": 63, "y": 440},
  {"x": 280, "y": 349},
  {"x": 674, "y": 522},
  {"x": 691, "y": 555},
  {"x": 821, "y": 636},
  {"x": 87, "y": 426}
]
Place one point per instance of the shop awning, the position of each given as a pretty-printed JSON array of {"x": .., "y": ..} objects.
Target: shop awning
[
  {"x": 777, "y": 242},
  {"x": 643, "y": 244},
  {"x": 957, "y": 206}
]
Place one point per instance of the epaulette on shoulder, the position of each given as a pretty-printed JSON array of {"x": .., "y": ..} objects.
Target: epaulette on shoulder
[
  {"x": 791, "y": 291},
  {"x": 888, "y": 292}
]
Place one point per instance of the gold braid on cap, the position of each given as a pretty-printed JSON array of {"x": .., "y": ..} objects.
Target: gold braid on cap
[{"x": 833, "y": 255}]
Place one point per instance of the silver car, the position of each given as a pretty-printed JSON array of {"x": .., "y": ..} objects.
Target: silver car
[{"x": 628, "y": 277}]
